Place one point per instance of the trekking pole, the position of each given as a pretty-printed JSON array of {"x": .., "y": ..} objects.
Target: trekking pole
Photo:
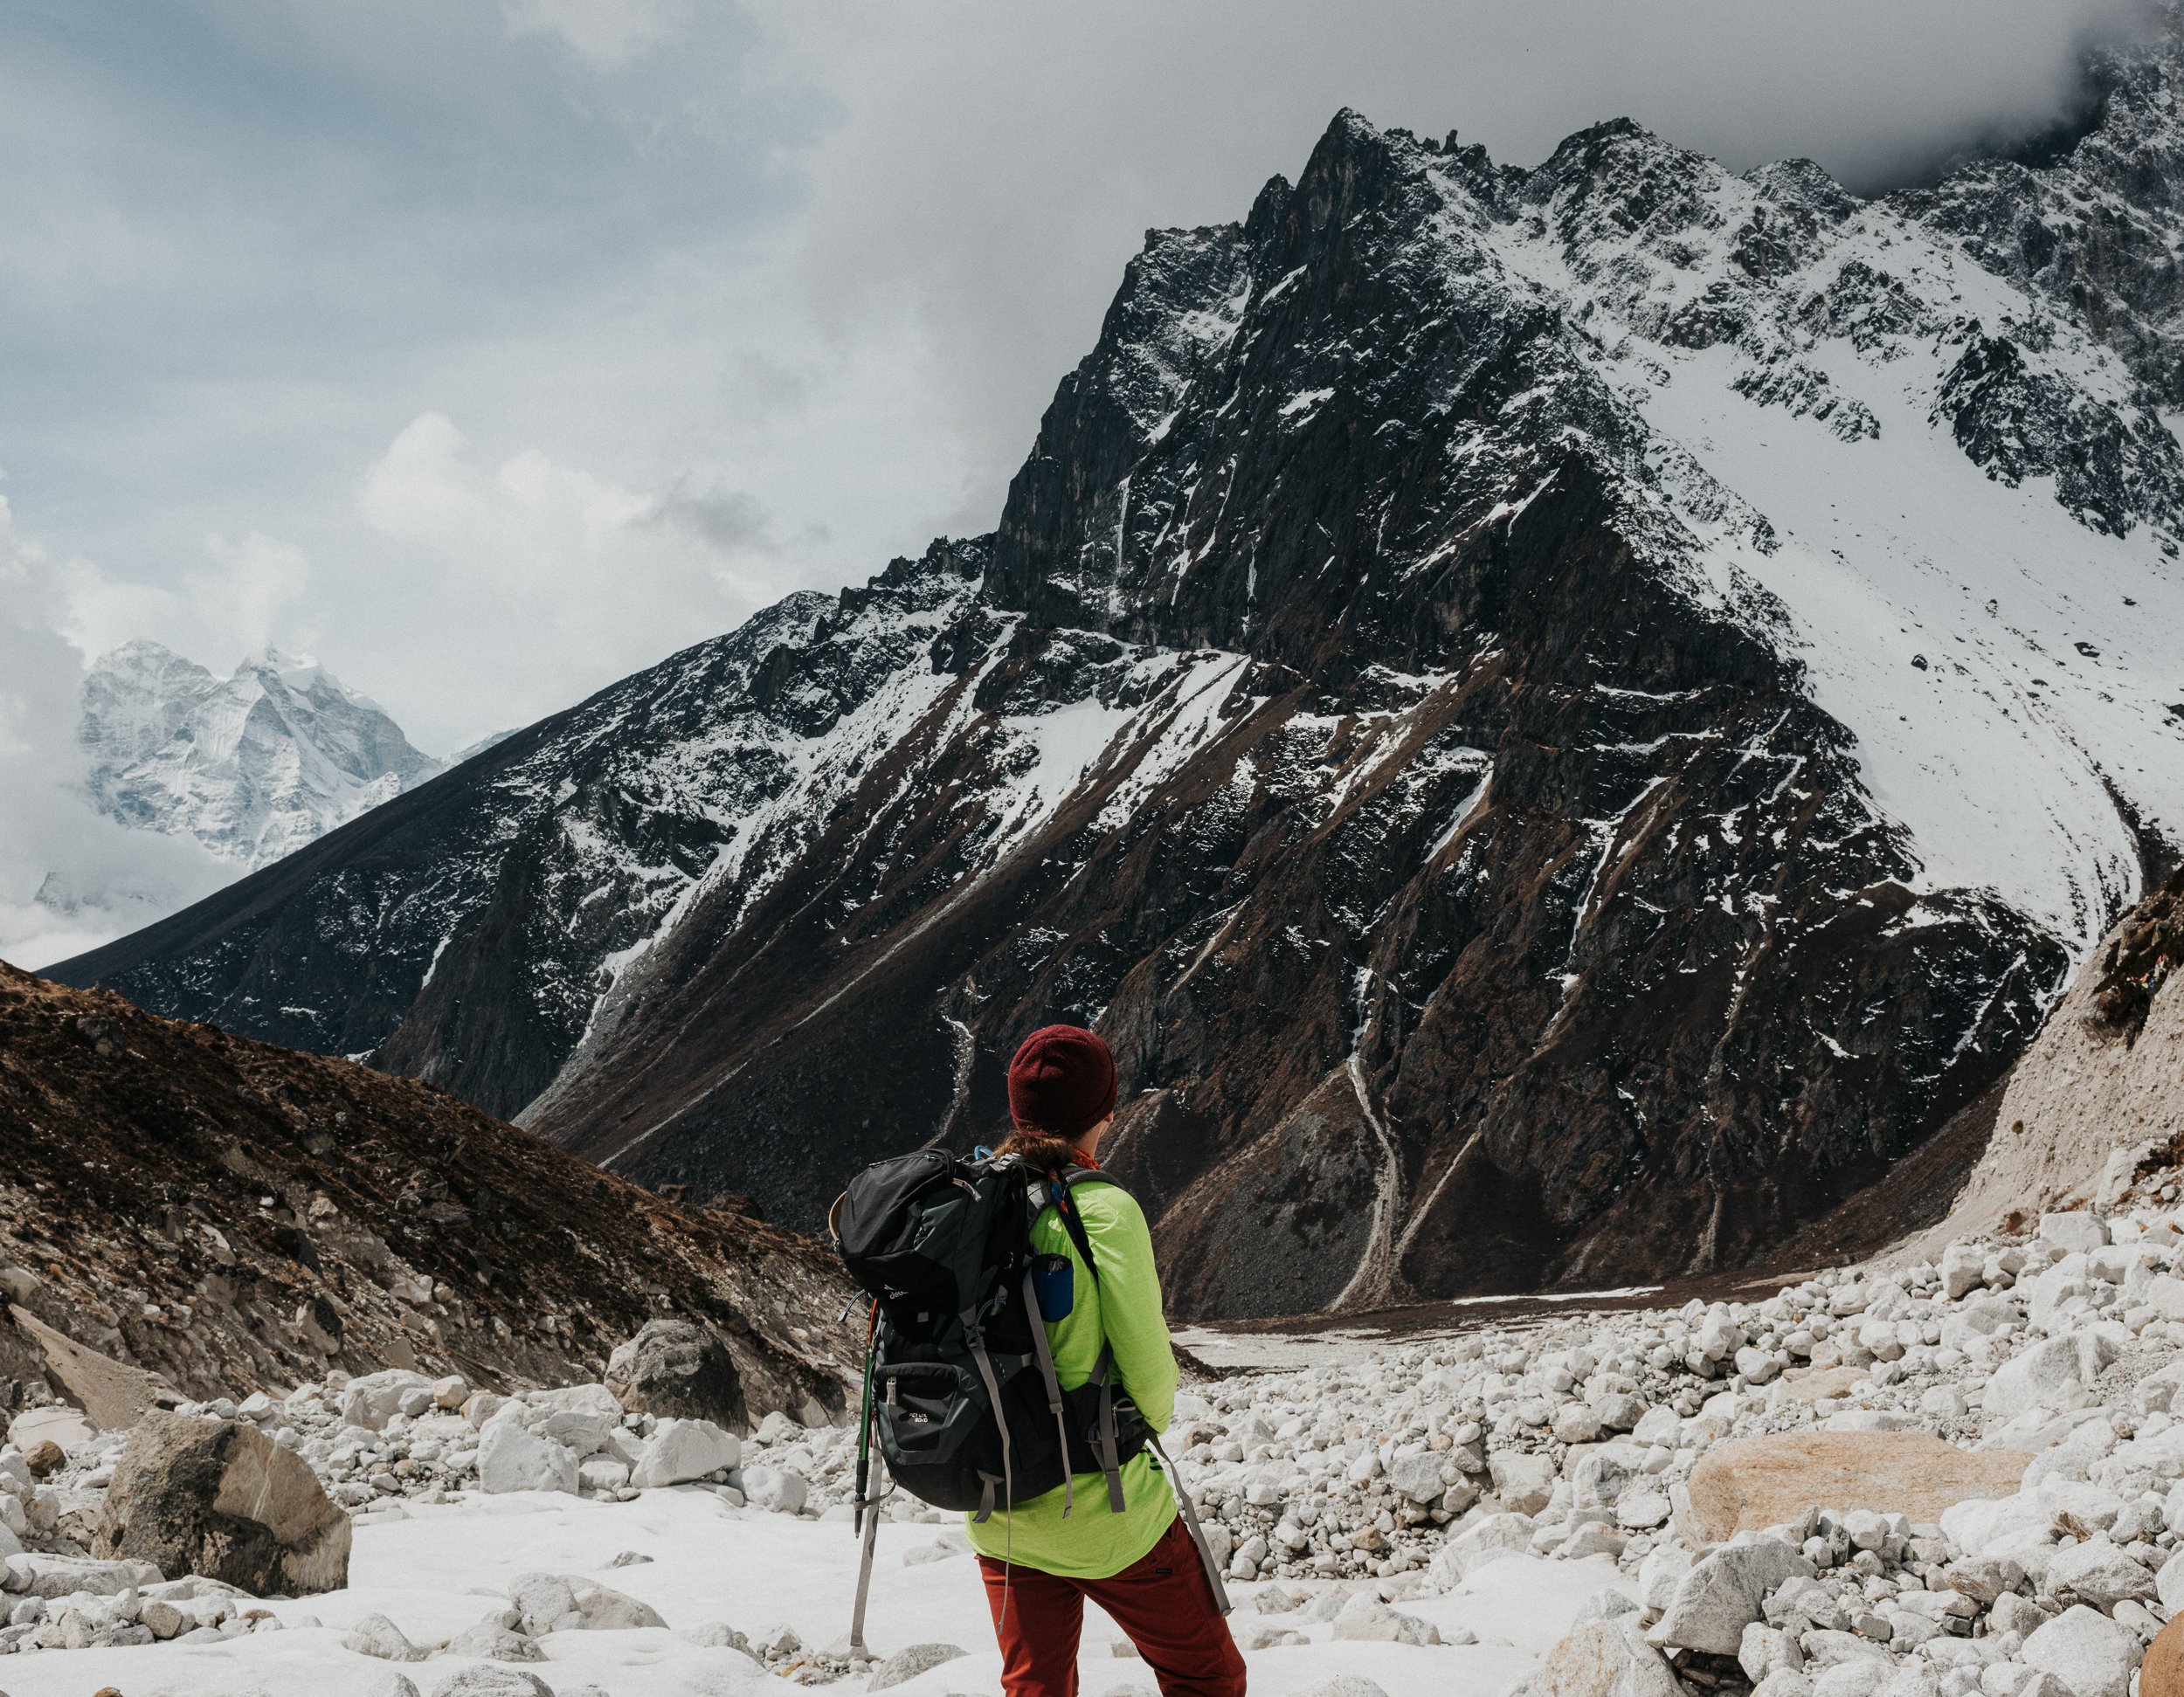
[
  {"x": 864, "y": 1424},
  {"x": 868, "y": 1508}
]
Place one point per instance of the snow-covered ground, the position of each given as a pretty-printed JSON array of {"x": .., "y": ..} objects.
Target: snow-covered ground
[{"x": 439, "y": 1572}]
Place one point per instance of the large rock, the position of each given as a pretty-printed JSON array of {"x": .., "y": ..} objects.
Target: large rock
[
  {"x": 1983, "y": 1580},
  {"x": 494, "y": 1642},
  {"x": 1981, "y": 1317},
  {"x": 375, "y": 1399},
  {"x": 1366, "y": 1619},
  {"x": 1720, "y": 1596},
  {"x": 1608, "y": 1658},
  {"x": 63, "y": 1576},
  {"x": 680, "y": 1450},
  {"x": 778, "y": 1490},
  {"x": 544, "y": 1604},
  {"x": 2046, "y": 1376},
  {"x": 608, "y": 1611},
  {"x": 2092, "y": 1654},
  {"x": 57, "y": 1424},
  {"x": 563, "y": 1602},
  {"x": 1766, "y": 1648},
  {"x": 676, "y": 1367},
  {"x": 221, "y": 1499},
  {"x": 376, "y": 1635},
  {"x": 1999, "y": 1527},
  {"x": 1961, "y": 1265},
  {"x": 1812, "y": 1384},
  {"x": 511, "y": 1459},
  {"x": 1601, "y": 1475},
  {"x": 1417, "y": 1477},
  {"x": 1757, "y": 1482},
  {"x": 1522, "y": 1483},
  {"x": 2098, "y": 1572},
  {"x": 2076, "y": 1230},
  {"x": 2168, "y": 1584}
]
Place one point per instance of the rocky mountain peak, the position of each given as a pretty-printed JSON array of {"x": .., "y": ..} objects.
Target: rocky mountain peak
[{"x": 1560, "y": 720}]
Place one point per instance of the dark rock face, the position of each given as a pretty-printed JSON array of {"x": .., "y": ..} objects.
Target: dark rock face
[
  {"x": 2144, "y": 956},
  {"x": 222, "y": 1500},
  {"x": 1370, "y": 711},
  {"x": 674, "y": 1366}
]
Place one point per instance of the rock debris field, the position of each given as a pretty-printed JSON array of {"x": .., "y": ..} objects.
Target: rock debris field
[{"x": 1925, "y": 1480}]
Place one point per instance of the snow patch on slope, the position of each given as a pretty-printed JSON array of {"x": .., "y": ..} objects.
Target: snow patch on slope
[{"x": 2008, "y": 668}]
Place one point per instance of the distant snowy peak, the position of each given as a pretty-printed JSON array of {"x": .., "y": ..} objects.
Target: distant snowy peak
[{"x": 253, "y": 766}]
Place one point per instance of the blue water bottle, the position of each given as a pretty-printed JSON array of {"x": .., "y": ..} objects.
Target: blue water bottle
[{"x": 1054, "y": 1286}]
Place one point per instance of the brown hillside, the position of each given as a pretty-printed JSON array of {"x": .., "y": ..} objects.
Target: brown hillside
[{"x": 237, "y": 1216}]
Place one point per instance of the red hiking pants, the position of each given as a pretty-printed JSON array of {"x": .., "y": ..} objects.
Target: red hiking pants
[{"x": 1161, "y": 1600}]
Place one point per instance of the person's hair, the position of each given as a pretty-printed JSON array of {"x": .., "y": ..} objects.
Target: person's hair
[{"x": 1041, "y": 1150}]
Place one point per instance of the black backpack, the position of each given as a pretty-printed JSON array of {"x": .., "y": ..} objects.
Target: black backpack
[{"x": 960, "y": 1382}]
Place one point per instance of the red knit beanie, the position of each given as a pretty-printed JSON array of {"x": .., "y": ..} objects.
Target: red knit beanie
[{"x": 1062, "y": 1081}]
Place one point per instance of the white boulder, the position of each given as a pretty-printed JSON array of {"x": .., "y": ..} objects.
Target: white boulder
[
  {"x": 783, "y": 1492},
  {"x": 374, "y": 1399},
  {"x": 1508, "y": 1533},
  {"x": 680, "y": 1450},
  {"x": 1962, "y": 1265},
  {"x": 2076, "y": 1229},
  {"x": 2092, "y": 1654},
  {"x": 2098, "y": 1572},
  {"x": 1720, "y": 1596},
  {"x": 2046, "y": 1376},
  {"x": 2168, "y": 1584},
  {"x": 1605, "y": 1658},
  {"x": 1417, "y": 1477},
  {"x": 1365, "y": 1617},
  {"x": 510, "y": 1459},
  {"x": 906, "y": 1664},
  {"x": 1522, "y": 1483}
]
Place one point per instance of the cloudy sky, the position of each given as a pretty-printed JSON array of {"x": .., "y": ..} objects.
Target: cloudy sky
[{"x": 488, "y": 349}]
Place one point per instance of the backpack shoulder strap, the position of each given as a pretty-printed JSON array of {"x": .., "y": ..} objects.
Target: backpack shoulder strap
[
  {"x": 1057, "y": 1195},
  {"x": 1072, "y": 1176}
]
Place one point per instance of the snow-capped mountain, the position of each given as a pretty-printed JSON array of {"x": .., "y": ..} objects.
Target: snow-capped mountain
[
  {"x": 1559, "y": 719},
  {"x": 253, "y": 766}
]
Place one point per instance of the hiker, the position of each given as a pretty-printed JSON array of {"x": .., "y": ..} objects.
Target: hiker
[{"x": 1040, "y": 1564}]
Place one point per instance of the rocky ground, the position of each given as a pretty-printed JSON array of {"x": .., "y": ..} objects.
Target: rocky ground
[{"x": 1940, "y": 1478}]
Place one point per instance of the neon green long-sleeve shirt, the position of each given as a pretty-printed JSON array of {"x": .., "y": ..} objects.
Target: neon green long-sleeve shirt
[{"x": 1124, "y": 1309}]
